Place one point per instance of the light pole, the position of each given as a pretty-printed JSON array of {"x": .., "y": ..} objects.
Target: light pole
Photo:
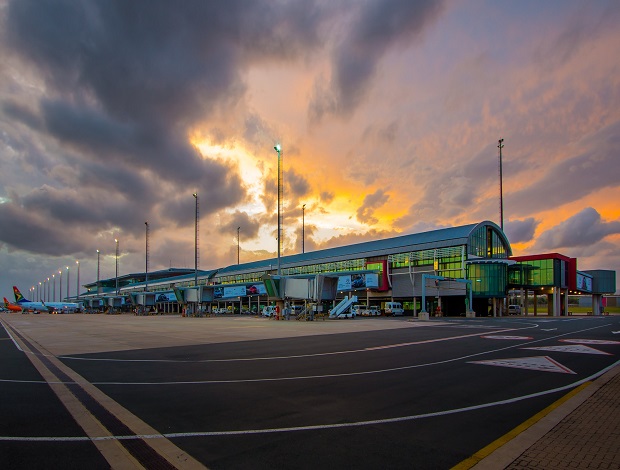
[
  {"x": 68, "y": 284},
  {"x": 39, "y": 292},
  {"x": 501, "y": 197},
  {"x": 303, "y": 227},
  {"x": 116, "y": 241},
  {"x": 196, "y": 242},
  {"x": 77, "y": 282},
  {"x": 54, "y": 292},
  {"x": 60, "y": 285},
  {"x": 278, "y": 149},
  {"x": 47, "y": 297},
  {"x": 98, "y": 254},
  {"x": 146, "y": 261},
  {"x": 238, "y": 228}
]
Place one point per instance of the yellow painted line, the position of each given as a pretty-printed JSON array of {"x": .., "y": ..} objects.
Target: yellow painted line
[{"x": 493, "y": 446}]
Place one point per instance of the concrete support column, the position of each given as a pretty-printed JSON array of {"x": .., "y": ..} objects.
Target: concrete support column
[
  {"x": 555, "y": 308},
  {"x": 535, "y": 304},
  {"x": 596, "y": 304},
  {"x": 566, "y": 302},
  {"x": 526, "y": 303}
]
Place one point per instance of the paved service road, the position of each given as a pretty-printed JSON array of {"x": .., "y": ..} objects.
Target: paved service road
[{"x": 254, "y": 393}]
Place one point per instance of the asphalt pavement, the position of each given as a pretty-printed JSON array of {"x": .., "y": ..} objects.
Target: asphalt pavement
[{"x": 246, "y": 392}]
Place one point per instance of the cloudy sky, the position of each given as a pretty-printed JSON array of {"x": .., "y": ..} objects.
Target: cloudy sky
[{"x": 113, "y": 113}]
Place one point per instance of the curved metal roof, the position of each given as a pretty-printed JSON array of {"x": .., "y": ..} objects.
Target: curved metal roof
[{"x": 441, "y": 238}]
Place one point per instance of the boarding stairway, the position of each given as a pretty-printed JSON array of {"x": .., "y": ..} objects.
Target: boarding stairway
[
  {"x": 342, "y": 307},
  {"x": 302, "y": 315}
]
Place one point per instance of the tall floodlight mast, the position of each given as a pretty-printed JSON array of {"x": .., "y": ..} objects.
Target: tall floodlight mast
[
  {"x": 303, "y": 228},
  {"x": 278, "y": 149},
  {"x": 146, "y": 262},
  {"x": 500, "y": 145},
  {"x": 77, "y": 282},
  {"x": 196, "y": 242},
  {"x": 238, "y": 243},
  {"x": 98, "y": 270},
  {"x": 116, "y": 241}
]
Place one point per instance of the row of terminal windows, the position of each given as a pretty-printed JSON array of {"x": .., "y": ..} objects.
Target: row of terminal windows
[
  {"x": 486, "y": 243},
  {"x": 543, "y": 272},
  {"x": 338, "y": 266},
  {"x": 333, "y": 267}
]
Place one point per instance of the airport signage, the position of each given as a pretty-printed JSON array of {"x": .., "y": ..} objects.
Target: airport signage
[
  {"x": 358, "y": 281},
  {"x": 168, "y": 297},
  {"x": 220, "y": 292},
  {"x": 584, "y": 283}
]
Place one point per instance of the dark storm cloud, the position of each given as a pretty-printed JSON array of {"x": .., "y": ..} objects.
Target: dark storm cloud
[
  {"x": 581, "y": 230},
  {"x": 248, "y": 225},
  {"x": 27, "y": 227},
  {"x": 63, "y": 210},
  {"x": 520, "y": 231},
  {"x": 298, "y": 184},
  {"x": 126, "y": 80},
  {"x": 573, "y": 178},
  {"x": 20, "y": 113},
  {"x": 155, "y": 60},
  {"x": 380, "y": 24},
  {"x": 371, "y": 203}
]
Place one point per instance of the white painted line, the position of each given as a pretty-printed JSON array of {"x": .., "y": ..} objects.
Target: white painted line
[
  {"x": 270, "y": 358},
  {"x": 538, "y": 363},
  {"x": 589, "y": 341},
  {"x": 578, "y": 348},
  {"x": 319, "y": 426},
  {"x": 507, "y": 337},
  {"x": 11, "y": 336},
  {"x": 348, "y": 374}
]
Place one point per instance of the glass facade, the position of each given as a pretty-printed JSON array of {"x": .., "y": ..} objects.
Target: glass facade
[
  {"x": 337, "y": 266},
  {"x": 488, "y": 279},
  {"x": 539, "y": 273},
  {"x": 447, "y": 262},
  {"x": 486, "y": 242}
]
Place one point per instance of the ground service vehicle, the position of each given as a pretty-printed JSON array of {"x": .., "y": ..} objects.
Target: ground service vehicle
[
  {"x": 514, "y": 310},
  {"x": 371, "y": 311},
  {"x": 358, "y": 309},
  {"x": 269, "y": 310},
  {"x": 394, "y": 308}
]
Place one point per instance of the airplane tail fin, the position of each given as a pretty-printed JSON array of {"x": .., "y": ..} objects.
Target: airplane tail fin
[
  {"x": 18, "y": 295},
  {"x": 6, "y": 302}
]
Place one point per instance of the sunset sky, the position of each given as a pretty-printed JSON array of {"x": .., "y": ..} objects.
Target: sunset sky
[{"x": 389, "y": 112}]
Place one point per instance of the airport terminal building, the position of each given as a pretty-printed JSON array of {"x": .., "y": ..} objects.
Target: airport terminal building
[{"x": 466, "y": 270}]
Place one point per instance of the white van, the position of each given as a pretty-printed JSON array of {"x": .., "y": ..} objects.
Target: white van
[{"x": 394, "y": 308}]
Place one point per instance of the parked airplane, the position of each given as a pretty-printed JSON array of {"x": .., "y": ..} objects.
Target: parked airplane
[
  {"x": 11, "y": 307},
  {"x": 58, "y": 307}
]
